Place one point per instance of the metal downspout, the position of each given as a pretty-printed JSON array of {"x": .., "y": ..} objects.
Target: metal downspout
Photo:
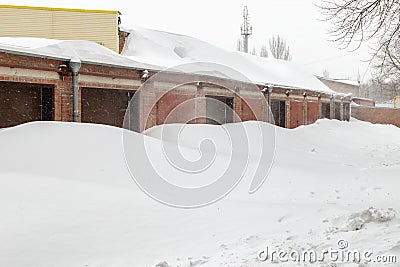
[
  {"x": 75, "y": 65},
  {"x": 270, "y": 119}
]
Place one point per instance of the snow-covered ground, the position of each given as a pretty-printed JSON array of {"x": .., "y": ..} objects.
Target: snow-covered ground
[{"x": 67, "y": 199}]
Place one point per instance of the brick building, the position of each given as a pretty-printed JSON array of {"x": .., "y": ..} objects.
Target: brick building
[
  {"x": 44, "y": 79},
  {"x": 37, "y": 84},
  {"x": 344, "y": 86},
  {"x": 363, "y": 101},
  {"x": 294, "y": 96}
]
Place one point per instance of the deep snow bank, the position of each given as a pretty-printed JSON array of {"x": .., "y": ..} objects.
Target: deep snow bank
[{"x": 67, "y": 199}]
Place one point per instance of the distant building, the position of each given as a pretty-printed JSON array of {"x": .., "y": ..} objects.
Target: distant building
[
  {"x": 100, "y": 26},
  {"x": 363, "y": 101},
  {"x": 344, "y": 86}
]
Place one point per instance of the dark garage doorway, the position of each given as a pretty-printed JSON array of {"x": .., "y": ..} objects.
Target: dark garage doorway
[
  {"x": 108, "y": 106},
  {"x": 326, "y": 110},
  {"x": 219, "y": 109},
  {"x": 278, "y": 109},
  {"x": 337, "y": 106},
  {"x": 346, "y": 111},
  {"x": 24, "y": 102}
]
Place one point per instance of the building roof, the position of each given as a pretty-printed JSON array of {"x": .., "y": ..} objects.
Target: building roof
[
  {"x": 157, "y": 50},
  {"x": 344, "y": 81},
  {"x": 168, "y": 50},
  {"x": 61, "y": 9},
  {"x": 85, "y": 51}
]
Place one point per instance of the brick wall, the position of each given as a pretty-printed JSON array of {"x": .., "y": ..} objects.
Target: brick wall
[
  {"x": 377, "y": 115},
  {"x": 121, "y": 39}
]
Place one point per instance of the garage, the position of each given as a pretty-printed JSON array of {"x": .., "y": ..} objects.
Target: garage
[
  {"x": 278, "y": 109},
  {"x": 296, "y": 114},
  {"x": 107, "y": 106},
  {"x": 337, "y": 107},
  {"x": 175, "y": 107},
  {"x": 24, "y": 102},
  {"x": 251, "y": 109},
  {"x": 346, "y": 111},
  {"x": 312, "y": 111},
  {"x": 219, "y": 109},
  {"x": 326, "y": 110}
]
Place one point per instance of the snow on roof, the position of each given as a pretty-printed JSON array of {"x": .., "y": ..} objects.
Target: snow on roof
[
  {"x": 168, "y": 50},
  {"x": 157, "y": 50},
  {"x": 85, "y": 51}
]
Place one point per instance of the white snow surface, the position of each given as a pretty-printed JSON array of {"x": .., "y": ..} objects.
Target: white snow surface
[
  {"x": 85, "y": 51},
  {"x": 169, "y": 50},
  {"x": 67, "y": 198}
]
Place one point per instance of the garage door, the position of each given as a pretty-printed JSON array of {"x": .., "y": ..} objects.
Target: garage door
[
  {"x": 278, "y": 109},
  {"x": 24, "y": 102},
  {"x": 107, "y": 106},
  {"x": 251, "y": 109},
  {"x": 296, "y": 114},
  {"x": 326, "y": 110},
  {"x": 346, "y": 111},
  {"x": 337, "y": 106},
  {"x": 219, "y": 109},
  {"x": 312, "y": 111},
  {"x": 174, "y": 107}
]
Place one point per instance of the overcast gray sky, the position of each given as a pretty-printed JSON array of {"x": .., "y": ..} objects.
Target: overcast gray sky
[{"x": 218, "y": 22}]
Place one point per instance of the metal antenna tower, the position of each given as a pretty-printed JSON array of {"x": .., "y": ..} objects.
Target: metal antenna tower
[{"x": 246, "y": 29}]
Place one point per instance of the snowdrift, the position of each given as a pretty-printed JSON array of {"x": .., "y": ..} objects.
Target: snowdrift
[{"x": 67, "y": 198}]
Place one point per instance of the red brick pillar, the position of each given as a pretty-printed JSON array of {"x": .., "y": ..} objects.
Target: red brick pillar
[
  {"x": 237, "y": 108},
  {"x": 148, "y": 107},
  {"x": 63, "y": 96},
  {"x": 201, "y": 107}
]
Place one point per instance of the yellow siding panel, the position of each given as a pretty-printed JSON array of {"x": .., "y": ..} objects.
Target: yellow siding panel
[
  {"x": 60, "y": 24},
  {"x": 61, "y": 9},
  {"x": 17, "y": 23},
  {"x": 100, "y": 28}
]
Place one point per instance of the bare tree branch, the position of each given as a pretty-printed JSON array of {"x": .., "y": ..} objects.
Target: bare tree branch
[
  {"x": 358, "y": 21},
  {"x": 279, "y": 49}
]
